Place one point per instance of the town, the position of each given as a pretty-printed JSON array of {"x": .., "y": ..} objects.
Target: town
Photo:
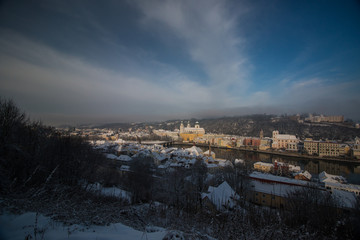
[
  {"x": 270, "y": 182},
  {"x": 281, "y": 143}
]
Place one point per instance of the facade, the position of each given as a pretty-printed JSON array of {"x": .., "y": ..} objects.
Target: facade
[
  {"x": 311, "y": 147},
  {"x": 322, "y": 118},
  {"x": 265, "y": 144},
  {"x": 325, "y": 148},
  {"x": 331, "y": 149},
  {"x": 263, "y": 167},
  {"x": 284, "y": 141},
  {"x": 189, "y": 133}
]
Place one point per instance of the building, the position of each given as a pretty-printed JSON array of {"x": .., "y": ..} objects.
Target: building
[
  {"x": 273, "y": 191},
  {"x": 284, "y": 141},
  {"x": 221, "y": 198},
  {"x": 189, "y": 133},
  {"x": 263, "y": 167},
  {"x": 325, "y": 148},
  {"x": 322, "y": 118},
  {"x": 265, "y": 144},
  {"x": 304, "y": 175},
  {"x": 331, "y": 149}
]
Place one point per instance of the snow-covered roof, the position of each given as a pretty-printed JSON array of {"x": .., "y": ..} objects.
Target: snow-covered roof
[
  {"x": 286, "y": 137},
  {"x": 125, "y": 168},
  {"x": 221, "y": 196},
  {"x": 326, "y": 177},
  {"x": 348, "y": 187},
  {"x": 124, "y": 158},
  {"x": 273, "y": 178},
  {"x": 264, "y": 164},
  {"x": 276, "y": 189},
  {"x": 239, "y": 161},
  {"x": 111, "y": 156},
  {"x": 195, "y": 150},
  {"x": 305, "y": 174},
  {"x": 294, "y": 168},
  {"x": 225, "y": 163}
]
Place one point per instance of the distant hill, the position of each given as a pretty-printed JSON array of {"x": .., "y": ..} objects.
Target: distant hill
[{"x": 252, "y": 124}]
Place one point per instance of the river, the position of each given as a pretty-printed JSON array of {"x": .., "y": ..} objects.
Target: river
[{"x": 351, "y": 171}]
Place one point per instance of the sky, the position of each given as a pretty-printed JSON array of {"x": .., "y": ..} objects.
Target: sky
[{"x": 72, "y": 62}]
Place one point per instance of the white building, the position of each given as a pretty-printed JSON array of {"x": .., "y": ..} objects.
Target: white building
[
  {"x": 188, "y": 129},
  {"x": 285, "y": 141}
]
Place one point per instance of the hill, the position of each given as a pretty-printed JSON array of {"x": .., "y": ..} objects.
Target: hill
[{"x": 251, "y": 125}]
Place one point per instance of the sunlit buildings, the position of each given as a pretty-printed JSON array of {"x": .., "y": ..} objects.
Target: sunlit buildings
[
  {"x": 284, "y": 141},
  {"x": 189, "y": 133},
  {"x": 325, "y": 148}
]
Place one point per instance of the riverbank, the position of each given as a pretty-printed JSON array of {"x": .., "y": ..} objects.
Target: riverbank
[{"x": 272, "y": 152}]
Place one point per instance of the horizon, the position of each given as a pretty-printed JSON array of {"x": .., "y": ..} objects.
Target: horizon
[
  {"x": 90, "y": 62},
  {"x": 191, "y": 120}
]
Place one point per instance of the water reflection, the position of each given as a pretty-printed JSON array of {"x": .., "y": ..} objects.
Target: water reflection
[{"x": 349, "y": 170}]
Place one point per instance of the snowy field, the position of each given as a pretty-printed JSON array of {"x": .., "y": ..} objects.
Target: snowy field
[{"x": 18, "y": 227}]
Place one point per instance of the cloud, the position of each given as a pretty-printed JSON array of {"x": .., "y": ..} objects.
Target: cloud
[
  {"x": 211, "y": 36},
  {"x": 47, "y": 82},
  {"x": 306, "y": 83}
]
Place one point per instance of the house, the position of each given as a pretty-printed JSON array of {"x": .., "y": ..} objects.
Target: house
[
  {"x": 329, "y": 178},
  {"x": 220, "y": 198},
  {"x": 304, "y": 175},
  {"x": 264, "y": 167}
]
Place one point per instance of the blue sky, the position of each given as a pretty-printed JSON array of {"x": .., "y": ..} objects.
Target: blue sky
[{"x": 108, "y": 61}]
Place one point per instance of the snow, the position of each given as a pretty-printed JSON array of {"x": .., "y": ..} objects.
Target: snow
[
  {"x": 221, "y": 195},
  {"x": 270, "y": 177},
  {"x": 273, "y": 188},
  {"x": 224, "y": 163},
  {"x": 294, "y": 168},
  {"x": 329, "y": 178},
  {"x": 239, "y": 161},
  {"x": 307, "y": 175},
  {"x": 124, "y": 158},
  {"x": 345, "y": 199},
  {"x": 111, "y": 156},
  {"x": 17, "y": 227},
  {"x": 264, "y": 164},
  {"x": 195, "y": 150},
  {"x": 125, "y": 168},
  {"x": 110, "y": 191}
]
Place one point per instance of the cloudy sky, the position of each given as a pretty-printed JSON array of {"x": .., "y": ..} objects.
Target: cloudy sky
[{"x": 114, "y": 61}]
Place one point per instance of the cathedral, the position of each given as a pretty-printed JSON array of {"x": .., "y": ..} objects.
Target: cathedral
[{"x": 189, "y": 133}]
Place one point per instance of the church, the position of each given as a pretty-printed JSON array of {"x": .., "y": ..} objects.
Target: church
[{"x": 188, "y": 133}]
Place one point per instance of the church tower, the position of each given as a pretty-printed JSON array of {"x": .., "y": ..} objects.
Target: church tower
[
  {"x": 261, "y": 134},
  {"x": 188, "y": 125},
  {"x": 275, "y": 134},
  {"x": 197, "y": 125},
  {"x": 181, "y": 127}
]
